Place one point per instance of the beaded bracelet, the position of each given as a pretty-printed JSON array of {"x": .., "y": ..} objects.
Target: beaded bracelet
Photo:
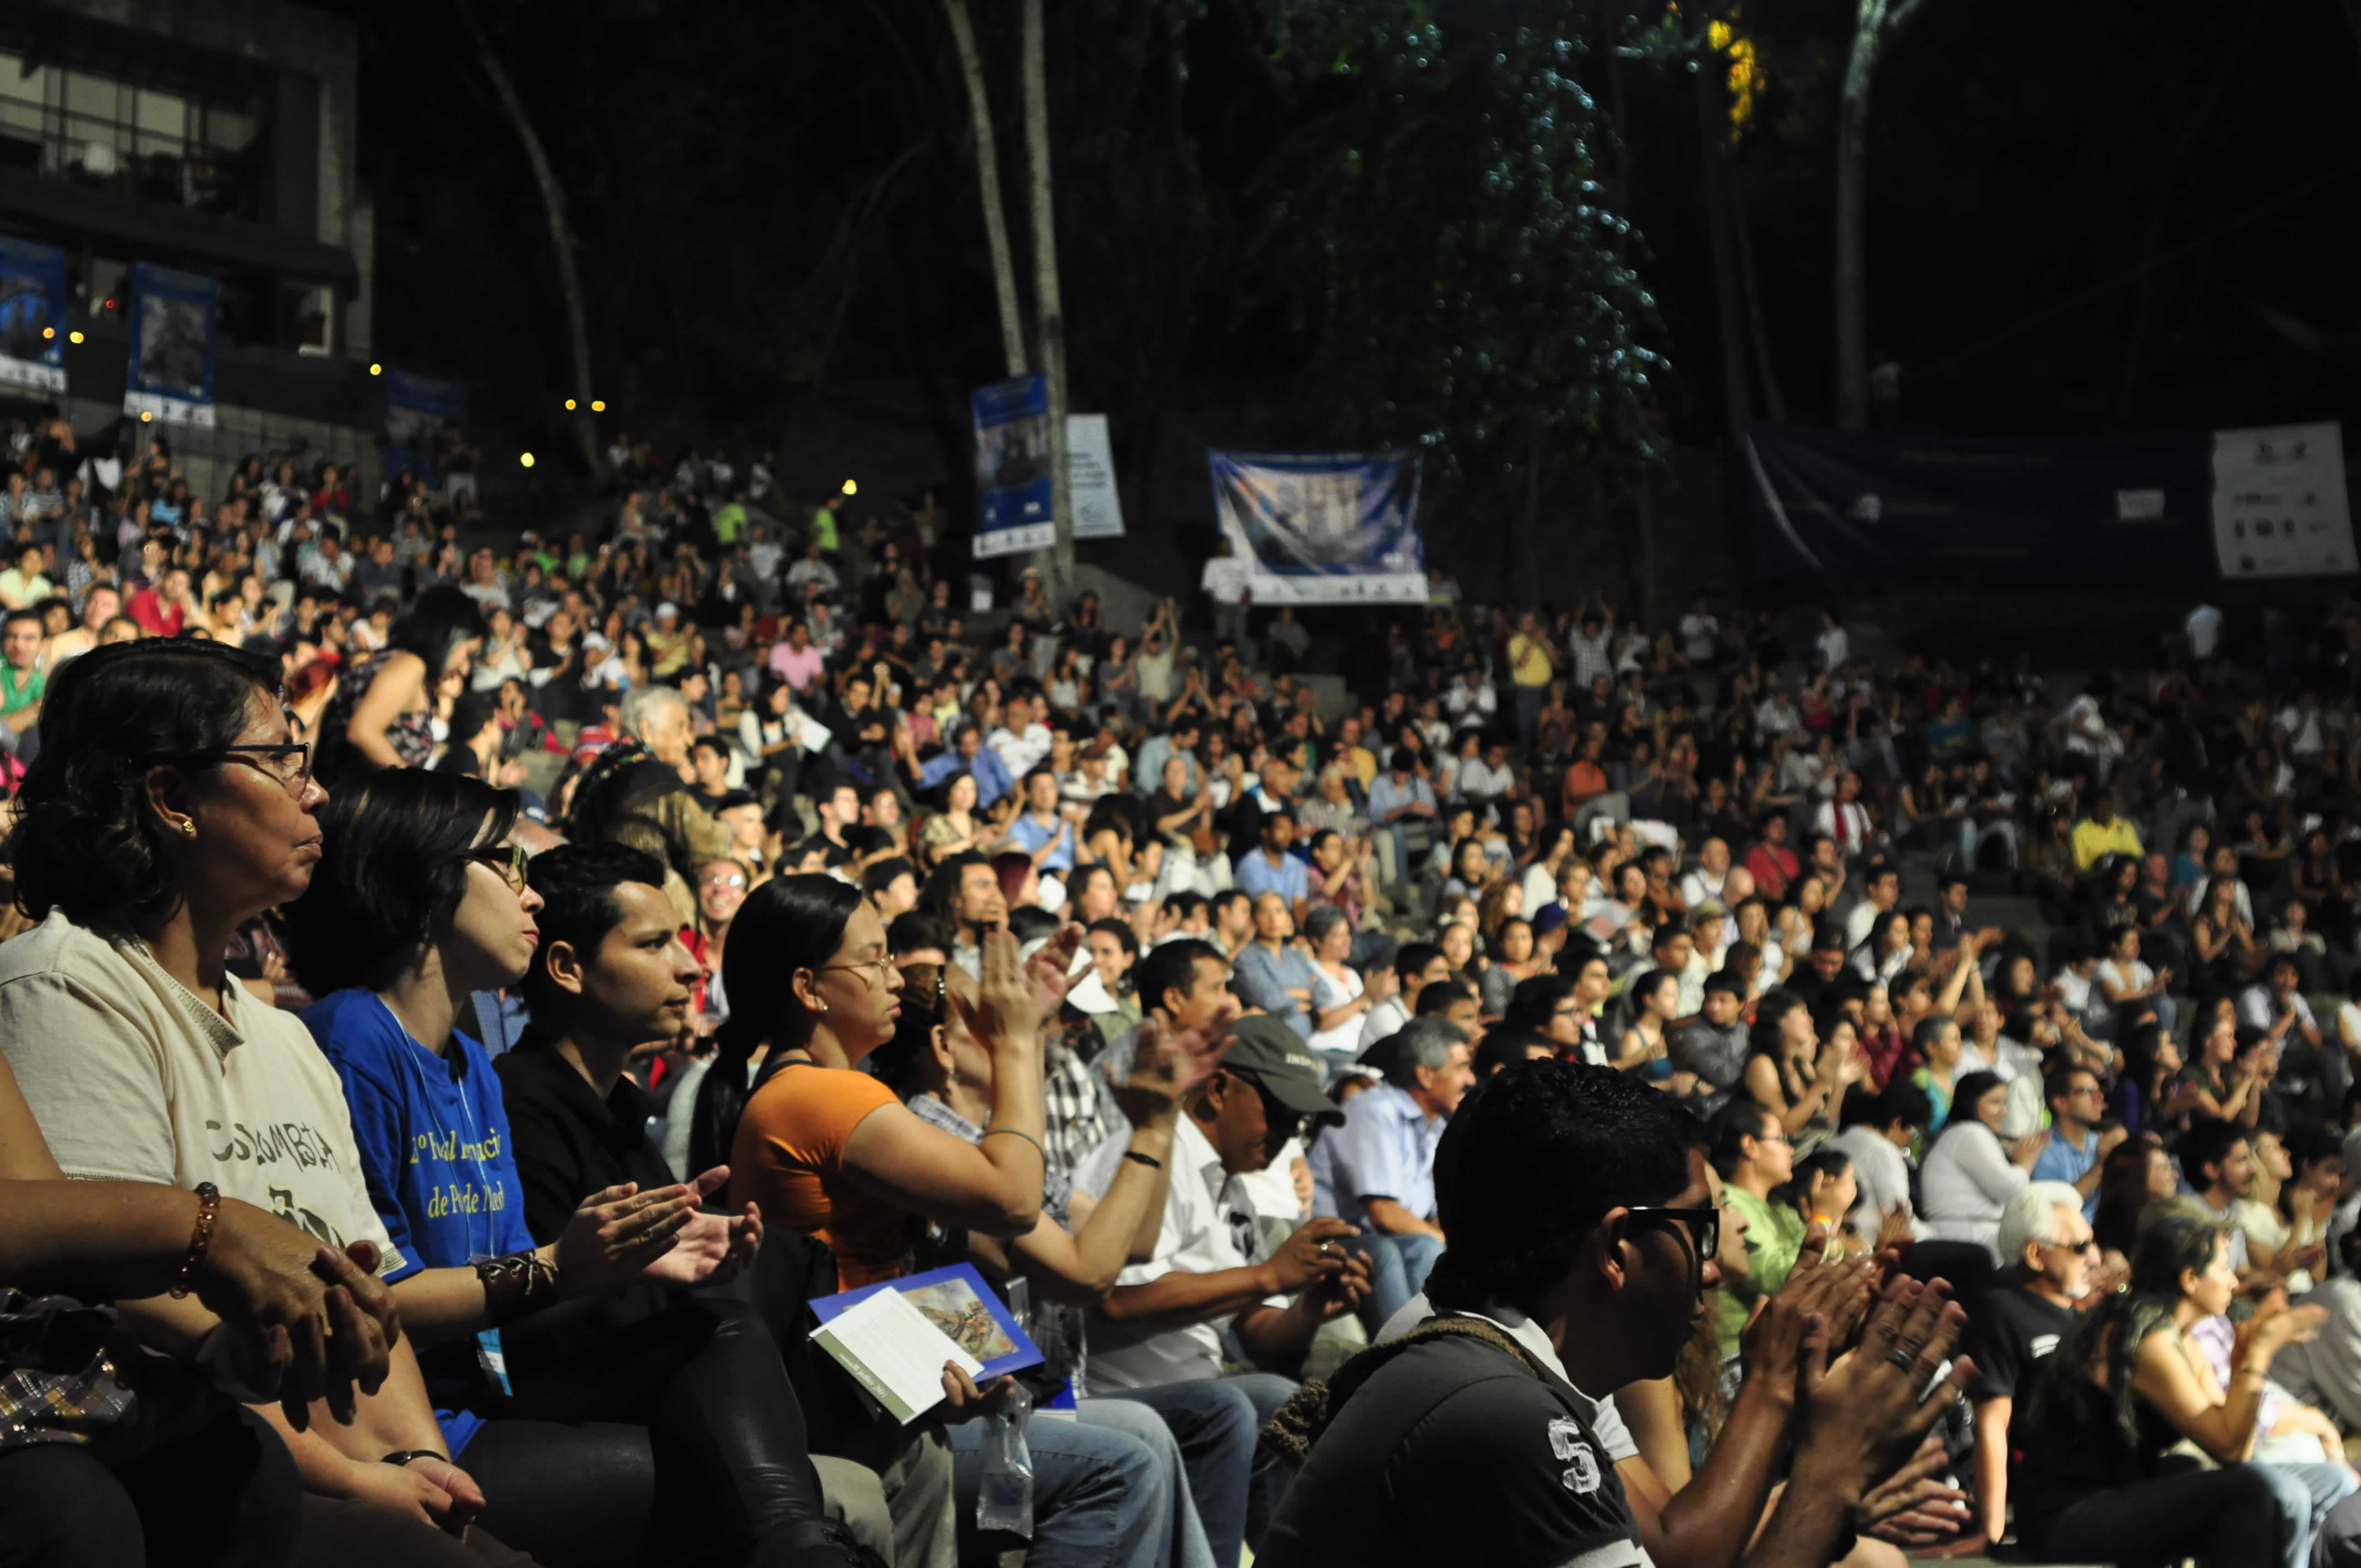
[
  {"x": 516, "y": 1286},
  {"x": 200, "y": 1239}
]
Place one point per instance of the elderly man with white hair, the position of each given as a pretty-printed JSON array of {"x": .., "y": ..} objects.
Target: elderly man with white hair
[
  {"x": 2045, "y": 1248},
  {"x": 637, "y": 792}
]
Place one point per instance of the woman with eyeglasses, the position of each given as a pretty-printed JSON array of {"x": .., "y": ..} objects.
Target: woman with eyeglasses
[
  {"x": 823, "y": 1148},
  {"x": 171, "y": 803},
  {"x": 1755, "y": 1158},
  {"x": 1071, "y": 1258},
  {"x": 574, "y": 1430}
]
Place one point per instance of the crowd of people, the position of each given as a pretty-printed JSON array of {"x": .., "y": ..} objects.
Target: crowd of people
[{"x": 1514, "y": 1110}]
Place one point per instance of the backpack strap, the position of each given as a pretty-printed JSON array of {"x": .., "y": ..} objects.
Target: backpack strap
[{"x": 1312, "y": 1408}]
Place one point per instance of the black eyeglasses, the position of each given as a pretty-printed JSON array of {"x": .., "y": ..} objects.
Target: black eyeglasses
[
  {"x": 1702, "y": 1226},
  {"x": 507, "y": 859}
]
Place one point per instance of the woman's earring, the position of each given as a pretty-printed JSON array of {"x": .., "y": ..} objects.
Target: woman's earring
[
  {"x": 823, "y": 1008},
  {"x": 188, "y": 828}
]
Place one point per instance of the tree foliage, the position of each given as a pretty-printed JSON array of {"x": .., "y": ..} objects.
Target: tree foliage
[{"x": 1442, "y": 233}]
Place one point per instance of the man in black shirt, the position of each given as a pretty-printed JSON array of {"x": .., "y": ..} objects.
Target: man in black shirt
[
  {"x": 2047, "y": 1243},
  {"x": 1583, "y": 1235}
]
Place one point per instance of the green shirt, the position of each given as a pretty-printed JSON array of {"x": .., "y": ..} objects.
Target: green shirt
[
  {"x": 20, "y": 688},
  {"x": 824, "y": 528},
  {"x": 728, "y": 523},
  {"x": 1775, "y": 1236}
]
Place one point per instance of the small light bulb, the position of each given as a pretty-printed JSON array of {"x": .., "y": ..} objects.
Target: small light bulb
[
  {"x": 525, "y": 458},
  {"x": 376, "y": 369},
  {"x": 852, "y": 488},
  {"x": 145, "y": 416},
  {"x": 569, "y": 405},
  {"x": 49, "y": 332},
  {"x": 73, "y": 337},
  {"x": 598, "y": 406}
]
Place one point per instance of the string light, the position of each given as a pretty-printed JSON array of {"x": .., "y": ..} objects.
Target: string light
[
  {"x": 852, "y": 488},
  {"x": 598, "y": 406},
  {"x": 569, "y": 405},
  {"x": 73, "y": 337},
  {"x": 525, "y": 458},
  {"x": 376, "y": 369},
  {"x": 49, "y": 332}
]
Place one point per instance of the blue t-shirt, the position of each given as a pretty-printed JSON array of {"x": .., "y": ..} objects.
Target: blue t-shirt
[
  {"x": 433, "y": 1140},
  {"x": 2061, "y": 1161}
]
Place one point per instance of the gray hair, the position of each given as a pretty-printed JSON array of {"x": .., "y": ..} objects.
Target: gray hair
[
  {"x": 2032, "y": 1216},
  {"x": 1421, "y": 1043},
  {"x": 646, "y": 704}
]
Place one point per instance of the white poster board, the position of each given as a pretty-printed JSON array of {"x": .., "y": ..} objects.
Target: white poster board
[
  {"x": 2280, "y": 506},
  {"x": 1090, "y": 478}
]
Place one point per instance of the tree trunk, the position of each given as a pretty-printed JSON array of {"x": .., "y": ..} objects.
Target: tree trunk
[
  {"x": 1049, "y": 313},
  {"x": 1852, "y": 265},
  {"x": 584, "y": 423},
  {"x": 1714, "y": 192},
  {"x": 987, "y": 181},
  {"x": 1528, "y": 556},
  {"x": 1758, "y": 335}
]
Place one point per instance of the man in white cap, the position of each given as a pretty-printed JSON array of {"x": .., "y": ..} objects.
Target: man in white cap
[{"x": 668, "y": 642}]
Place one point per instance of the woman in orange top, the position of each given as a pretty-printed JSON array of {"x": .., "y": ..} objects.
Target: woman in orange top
[{"x": 823, "y": 1148}]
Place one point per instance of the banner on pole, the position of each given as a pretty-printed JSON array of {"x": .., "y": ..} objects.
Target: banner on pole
[
  {"x": 1012, "y": 468},
  {"x": 1015, "y": 508},
  {"x": 32, "y": 316},
  {"x": 173, "y": 342},
  {"x": 416, "y": 409},
  {"x": 2280, "y": 505},
  {"x": 1090, "y": 478},
  {"x": 1850, "y": 504},
  {"x": 1322, "y": 527}
]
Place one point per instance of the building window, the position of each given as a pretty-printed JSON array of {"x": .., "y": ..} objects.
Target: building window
[{"x": 138, "y": 142}]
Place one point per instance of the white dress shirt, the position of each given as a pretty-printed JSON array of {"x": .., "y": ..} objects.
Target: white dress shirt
[{"x": 1209, "y": 1224}]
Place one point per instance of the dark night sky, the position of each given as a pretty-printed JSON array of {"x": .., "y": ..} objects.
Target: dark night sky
[{"x": 2024, "y": 155}]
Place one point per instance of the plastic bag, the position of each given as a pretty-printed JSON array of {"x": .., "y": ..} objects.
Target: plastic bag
[{"x": 1006, "y": 1499}]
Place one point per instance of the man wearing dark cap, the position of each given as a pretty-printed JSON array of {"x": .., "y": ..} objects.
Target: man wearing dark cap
[{"x": 1163, "y": 1320}]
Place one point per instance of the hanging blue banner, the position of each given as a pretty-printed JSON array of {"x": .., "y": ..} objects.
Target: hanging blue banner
[
  {"x": 1012, "y": 469},
  {"x": 416, "y": 409},
  {"x": 32, "y": 316},
  {"x": 173, "y": 342},
  {"x": 1322, "y": 527},
  {"x": 1845, "y": 504}
]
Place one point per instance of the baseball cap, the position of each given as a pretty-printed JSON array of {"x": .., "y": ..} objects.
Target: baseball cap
[
  {"x": 1280, "y": 1060},
  {"x": 667, "y": 608}
]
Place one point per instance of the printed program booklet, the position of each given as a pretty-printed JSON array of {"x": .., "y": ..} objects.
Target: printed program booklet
[{"x": 894, "y": 1337}]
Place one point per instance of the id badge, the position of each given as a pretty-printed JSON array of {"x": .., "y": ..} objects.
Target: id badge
[{"x": 495, "y": 1363}]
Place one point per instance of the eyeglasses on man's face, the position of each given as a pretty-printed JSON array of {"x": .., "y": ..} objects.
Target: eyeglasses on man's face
[{"x": 1702, "y": 1226}]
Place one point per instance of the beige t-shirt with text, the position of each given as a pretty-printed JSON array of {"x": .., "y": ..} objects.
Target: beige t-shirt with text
[{"x": 134, "y": 1078}]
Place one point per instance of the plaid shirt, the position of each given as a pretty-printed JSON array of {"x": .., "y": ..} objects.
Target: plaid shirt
[
  {"x": 1080, "y": 1105},
  {"x": 1055, "y": 1328}
]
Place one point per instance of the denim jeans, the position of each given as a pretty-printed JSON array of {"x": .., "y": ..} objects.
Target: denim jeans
[
  {"x": 1101, "y": 1498},
  {"x": 2307, "y": 1494},
  {"x": 1399, "y": 1266},
  {"x": 1190, "y": 1547},
  {"x": 1215, "y": 1420}
]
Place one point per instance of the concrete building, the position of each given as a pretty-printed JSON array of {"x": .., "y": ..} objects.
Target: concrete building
[{"x": 216, "y": 137}]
